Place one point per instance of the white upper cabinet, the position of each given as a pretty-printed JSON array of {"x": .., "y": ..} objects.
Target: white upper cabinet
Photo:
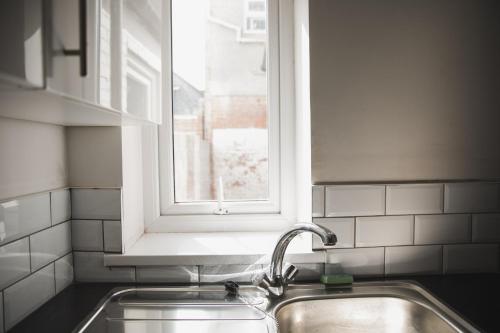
[
  {"x": 71, "y": 47},
  {"x": 21, "y": 37},
  {"x": 104, "y": 55},
  {"x": 142, "y": 66}
]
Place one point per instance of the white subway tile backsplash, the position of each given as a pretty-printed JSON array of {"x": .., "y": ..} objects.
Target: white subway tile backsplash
[
  {"x": 20, "y": 217},
  {"x": 89, "y": 267},
  {"x": 64, "y": 272},
  {"x": 384, "y": 231},
  {"x": 50, "y": 244},
  {"x": 442, "y": 229},
  {"x": 318, "y": 201},
  {"x": 98, "y": 204},
  {"x": 343, "y": 227},
  {"x": 14, "y": 262},
  {"x": 413, "y": 260},
  {"x": 486, "y": 228},
  {"x": 112, "y": 236},
  {"x": 354, "y": 200},
  {"x": 87, "y": 235},
  {"x": 472, "y": 197},
  {"x": 221, "y": 273},
  {"x": 168, "y": 274},
  {"x": 309, "y": 272},
  {"x": 414, "y": 199},
  {"x": 27, "y": 295},
  {"x": 471, "y": 258},
  {"x": 60, "y": 206},
  {"x": 361, "y": 262}
]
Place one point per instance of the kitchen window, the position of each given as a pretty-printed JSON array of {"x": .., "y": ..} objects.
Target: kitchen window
[{"x": 226, "y": 147}]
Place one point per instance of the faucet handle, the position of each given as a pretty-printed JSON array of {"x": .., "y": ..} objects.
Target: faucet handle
[
  {"x": 290, "y": 273},
  {"x": 261, "y": 280}
]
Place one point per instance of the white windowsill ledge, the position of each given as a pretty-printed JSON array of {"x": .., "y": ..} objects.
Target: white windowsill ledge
[{"x": 163, "y": 249}]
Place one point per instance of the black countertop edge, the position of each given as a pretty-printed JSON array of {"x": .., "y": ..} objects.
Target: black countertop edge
[{"x": 475, "y": 297}]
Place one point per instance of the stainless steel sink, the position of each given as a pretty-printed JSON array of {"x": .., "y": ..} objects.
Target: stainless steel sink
[
  {"x": 364, "y": 307},
  {"x": 363, "y": 314}
]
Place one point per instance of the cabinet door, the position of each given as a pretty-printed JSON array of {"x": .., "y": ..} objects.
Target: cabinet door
[
  {"x": 142, "y": 25},
  {"x": 21, "y": 58},
  {"x": 71, "y": 47},
  {"x": 110, "y": 53}
]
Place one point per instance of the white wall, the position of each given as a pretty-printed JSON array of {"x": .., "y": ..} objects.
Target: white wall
[
  {"x": 94, "y": 156},
  {"x": 405, "y": 90},
  {"x": 32, "y": 157}
]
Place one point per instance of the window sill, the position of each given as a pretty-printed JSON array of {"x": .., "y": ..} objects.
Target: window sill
[{"x": 163, "y": 249}]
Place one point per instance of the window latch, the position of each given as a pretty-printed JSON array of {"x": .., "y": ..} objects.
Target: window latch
[{"x": 220, "y": 199}]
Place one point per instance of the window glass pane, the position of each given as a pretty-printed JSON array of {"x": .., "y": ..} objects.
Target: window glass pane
[{"x": 220, "y": 114}]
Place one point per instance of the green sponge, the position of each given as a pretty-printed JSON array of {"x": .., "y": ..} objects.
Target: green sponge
[{"x": 336, "y": 279}]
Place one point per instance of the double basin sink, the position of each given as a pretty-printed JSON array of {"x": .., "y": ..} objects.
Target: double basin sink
[{"x": 362, "y": 307}]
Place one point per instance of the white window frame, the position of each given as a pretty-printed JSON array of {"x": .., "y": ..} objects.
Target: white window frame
[{"x": 160, "y": 211}]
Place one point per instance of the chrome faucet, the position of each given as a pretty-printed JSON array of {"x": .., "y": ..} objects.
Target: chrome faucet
[{"x": 276, "y": 281}]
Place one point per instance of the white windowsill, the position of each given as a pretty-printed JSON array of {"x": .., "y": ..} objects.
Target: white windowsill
[{"x": 163, "y": 249}]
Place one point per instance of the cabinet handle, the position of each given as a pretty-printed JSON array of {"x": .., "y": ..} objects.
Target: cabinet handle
[{"x": 82, "y": 51}]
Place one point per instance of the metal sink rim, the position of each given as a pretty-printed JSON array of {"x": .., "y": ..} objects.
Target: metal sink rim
[{"x": 302, "y": 292}]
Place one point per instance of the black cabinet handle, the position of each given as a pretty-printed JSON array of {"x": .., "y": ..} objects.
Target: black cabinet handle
[{"x": 82, "y": 51}]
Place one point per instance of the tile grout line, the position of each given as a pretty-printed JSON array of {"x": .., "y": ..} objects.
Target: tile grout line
[
  {"x": 32, "y": 233},
  {"x": 103, "y": 244},
  {"x": 324, "y": 201},
  {"x": 32, "y": 273},
  {"x": 55, "y": 284},
  {"x": 29, "y": 253}
]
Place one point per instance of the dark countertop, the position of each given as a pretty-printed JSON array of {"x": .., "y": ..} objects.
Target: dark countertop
[{"x": 475, "y": 297}]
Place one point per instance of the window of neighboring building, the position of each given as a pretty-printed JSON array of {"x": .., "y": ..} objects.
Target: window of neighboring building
[{"x": 255, "y": 16}]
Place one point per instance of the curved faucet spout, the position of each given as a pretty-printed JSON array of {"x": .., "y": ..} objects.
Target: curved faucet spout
[{"x": 276, "y": 267}]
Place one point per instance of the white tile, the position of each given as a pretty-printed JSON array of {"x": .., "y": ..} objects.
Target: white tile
[
  {"x": 384, "y": 231},
  {"x": 1, "y": 312},
  {"x": 14, "y": 262},
  {"x": 414, "y": 199},
  {"x": 27, "y": 295},
  {"x": 413, "y": 260},
  {"x": 359, "y": 262},
  {"x": 354, "y": 200},
  {"x": 471, "y": 197},
  {"x": 342, "y": 227},
  {"x": 112, "y": 236},
  {"x": 89, "y": 267},
  {"x": 98, "y": 204},
  {"x": 442, "y": 229},
  {"x": 23, "y": 216},
  {"x": 318, "y": 201},
  {"x": 64, "y": 272},
  {"x": 60, "y": 206},
  {"x": 309, "y": 272},
  {"x": 50, "y": 244},
  {"x": 221, "y": 273},
  {"x": 168, "y": 274},
  {"x": 471, "y": 258},
  {"x": 87, "y": 235},
  {"x": 486, "y": 228}
]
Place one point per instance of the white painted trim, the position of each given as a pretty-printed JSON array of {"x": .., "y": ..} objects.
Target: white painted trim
[
  {"x": 303, "y": 110},
  {"x": 295, "y": 132},
  {"x": 212, "y": 248}
]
